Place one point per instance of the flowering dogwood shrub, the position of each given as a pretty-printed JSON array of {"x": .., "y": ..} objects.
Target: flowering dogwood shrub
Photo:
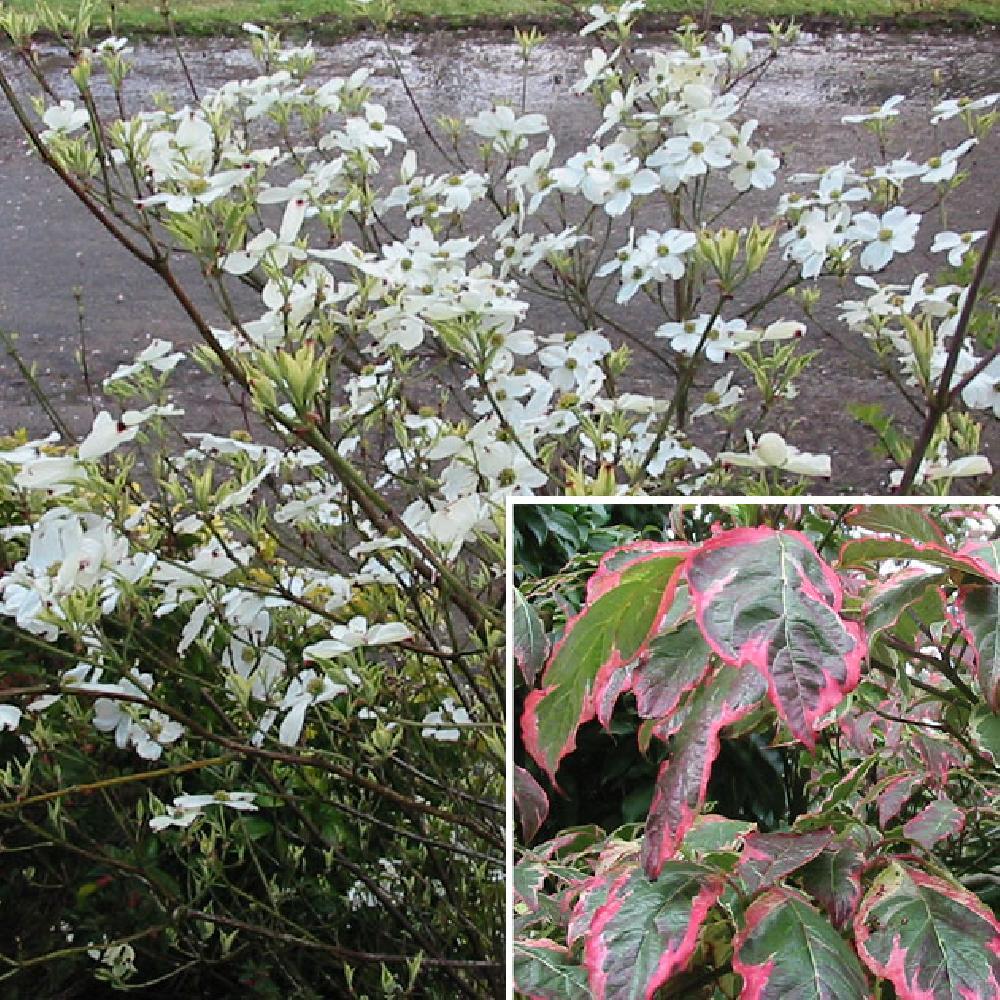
[
  {"x": 856, "y": 649},
  {"x": 264, "y": 667}
]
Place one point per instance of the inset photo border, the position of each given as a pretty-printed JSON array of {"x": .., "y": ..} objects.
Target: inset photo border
[{"x": 753, "y": 743}]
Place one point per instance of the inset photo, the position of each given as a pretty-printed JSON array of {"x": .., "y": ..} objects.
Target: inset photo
[{"x": 756, "y": 749}]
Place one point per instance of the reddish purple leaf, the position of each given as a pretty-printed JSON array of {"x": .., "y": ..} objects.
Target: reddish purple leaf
[
  {"x": 932, "y": 939},
  {"x": 765, "y": 598},
  {"x": 834, "y": 880},
  {"x": 786, "y": 949},
  {"x": 942, "y": 818},
  {"x": 677, "y": 662},
  {"x": 647, "y": 931},
  {"x": 531, "y": 801},
  {"x": 768, "y": 857},
  {"x": 683, "y": 779},
  {"x": 589, "y": 897},
  {"x": 627, "y": 599},
  {"x": 912, "y": 592},
  {"x": 895, "y": 794}
]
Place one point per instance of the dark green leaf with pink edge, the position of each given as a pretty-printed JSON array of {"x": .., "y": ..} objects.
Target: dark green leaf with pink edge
[
  {"x": 646, "y": 931},
  {"x": 941, "y": 819},
  {"x": 931, "y": 938},
  {"x": 627, "y": 599},
  {"x": 787, "y": 949},
  {"x": 545, "y": 970},
  {"x": 765, "y": 598},
  {"x": 682, "y": 782},
  {"x": 531, "y": 802}
]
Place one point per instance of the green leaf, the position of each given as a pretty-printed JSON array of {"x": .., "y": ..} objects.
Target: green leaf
[
  {"x": 786, "y": 949},
  {"x": 545, "y": 970},
  {"x": 984, "y": 727},
  {"x": 627, "y": 599},
  {"x": 647, "y": 931},
  {"x": 765, "y": 598},
  {"x": 868, "y": 551},
  {"x": 897, "y": 519},
  {"x": 528, "y": 641},
  {"x": 980, "y": 617},
  {"x": 932, "y": 939}
]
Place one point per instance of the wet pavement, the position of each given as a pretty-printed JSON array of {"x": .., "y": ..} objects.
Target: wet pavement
[{"x": 51, "y": 246}]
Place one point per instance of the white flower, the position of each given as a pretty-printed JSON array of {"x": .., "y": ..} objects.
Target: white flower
[
  {"x": 895, "y": 232},
  {"x": 10, "y": 717},
  {"x": 64, "y": 117},
  {"x": 721, "y": 395},
  {"x": 753, "y": 168},
  {"x": 618, "y": 16},
  {"x": 888, "y": 110},
  {"x": 448, "y": 712},
  {"x": 173, "y": 817},
  {"x": 505, "y": 130},
  {"x": 693, "y": 154},
  {"x": 960, "y": 105},
  {"x": 306, "y": 689},
  {"x": 108, "y": 433},
  {"x": 243, "y": 801},
  {"x": 943, "y": 168},
  {"x": 983, "y": 392},
  {"x": 357, "y": 632},
  {"x": 187, "y": 808},
  {"x": 159, "y": 356},
  {"x": 151, "y": 735},
  {"x": 771, "y": 451},
  {"x": 278, "y": 249},
  {"x": 957, "y": 246}
]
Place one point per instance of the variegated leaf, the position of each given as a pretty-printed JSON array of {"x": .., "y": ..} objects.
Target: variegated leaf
[
  {"x": 545, "y": 970},
  {"x": 942, "y": 818},
  {"x": 979, "y": 607},
  {"x": 932, "y": 939},
  {"x": 786, "y": 949},
  {"x": 683, "y": 778},
  {"x": 765, "y": 598},
  {"x": 627, "y": 599},
  {"x": 676, "y": 663},
  {"x": 528, "y": 642},
  {"x": 833, "y": 879},
  {"x": 646, "y": 931}
]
